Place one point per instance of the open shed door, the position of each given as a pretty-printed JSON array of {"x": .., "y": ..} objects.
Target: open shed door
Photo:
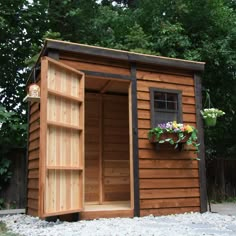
[{"x": 61, "y": 138}]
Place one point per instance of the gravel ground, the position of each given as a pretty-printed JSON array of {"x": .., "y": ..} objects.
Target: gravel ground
[{"x": 190, "y": 224}]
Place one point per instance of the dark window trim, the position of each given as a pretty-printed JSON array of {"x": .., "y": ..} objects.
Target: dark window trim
[{"x": 178, "y": 92}]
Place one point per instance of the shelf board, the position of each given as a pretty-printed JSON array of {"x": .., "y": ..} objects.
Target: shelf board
[
  {"x": 64, "y": 168},
  {"x": 65, "y": 96},
  {"x": 31, "y": 99},
  {"x": 63, "y": 125}
]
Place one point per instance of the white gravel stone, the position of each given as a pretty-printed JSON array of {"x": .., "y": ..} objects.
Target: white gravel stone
[{"x": 191, "y": 224}]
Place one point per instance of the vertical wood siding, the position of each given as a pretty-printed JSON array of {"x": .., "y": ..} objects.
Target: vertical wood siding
[
  {"x": 169, "y": 180},
  {"x": 92, "y": 147},
  {"x": 116, "y": 169},
  {"x": 107, "y": 173}
]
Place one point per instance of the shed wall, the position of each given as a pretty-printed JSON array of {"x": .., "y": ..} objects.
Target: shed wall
[
  {"x": 33, "y": 160},
  {"x": 169, "y": 179}
]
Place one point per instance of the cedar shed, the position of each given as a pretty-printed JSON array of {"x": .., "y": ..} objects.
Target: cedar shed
[{"x": 88, "y": 151}]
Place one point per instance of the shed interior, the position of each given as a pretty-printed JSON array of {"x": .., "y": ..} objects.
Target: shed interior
[{"x": 107, "y": 145}]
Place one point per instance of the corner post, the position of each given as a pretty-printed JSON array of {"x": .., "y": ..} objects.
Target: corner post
[
  {"x": 202, "y": 165},
  {"x": 135, "y": 139}
]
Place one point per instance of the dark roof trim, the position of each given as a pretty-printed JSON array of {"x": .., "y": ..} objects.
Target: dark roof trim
[{"x": 121, "y": 55}]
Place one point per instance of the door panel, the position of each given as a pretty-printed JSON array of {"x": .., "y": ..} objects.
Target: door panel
[{"x": 62, "y": 151}]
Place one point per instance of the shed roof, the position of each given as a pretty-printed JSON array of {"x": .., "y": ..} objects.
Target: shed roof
[{"x": 121, "y": 55}]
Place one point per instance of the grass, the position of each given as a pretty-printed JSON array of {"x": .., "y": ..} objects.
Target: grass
[{"x": 4, "y": 230}]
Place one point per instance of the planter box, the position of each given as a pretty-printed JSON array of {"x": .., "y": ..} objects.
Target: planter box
[{"x": 164, "y": 136}]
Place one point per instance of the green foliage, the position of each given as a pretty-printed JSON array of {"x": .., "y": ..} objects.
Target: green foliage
[
  {"x": 12, "y": 135},
  {"x": 196, "y": 30}
]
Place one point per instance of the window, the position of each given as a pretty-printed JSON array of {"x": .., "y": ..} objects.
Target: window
[{"x": 165, "y": 106}]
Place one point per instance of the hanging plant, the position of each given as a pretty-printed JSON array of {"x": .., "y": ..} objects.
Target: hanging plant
[{"x": 210, "y": 114}]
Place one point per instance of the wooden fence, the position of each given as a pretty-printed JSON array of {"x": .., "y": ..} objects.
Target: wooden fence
[
  {"x": 14, "y": 193},
  {"x": 221, "y": 179}
]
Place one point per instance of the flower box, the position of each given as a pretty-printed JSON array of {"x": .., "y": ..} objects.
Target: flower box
[
  {"x": 169, "y": 136},
  {"x": 175, "y": 134}
]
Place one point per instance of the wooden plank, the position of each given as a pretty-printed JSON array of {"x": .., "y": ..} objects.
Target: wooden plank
[
  {"x": 113, "y": 147},
  {"x": 33, "y": 154},
  {"x": 201, "y": 154},
  {"x": 34, "y": 135},
  {"x": 171, "y": 154},
  {"x": 93, "y": 150},
  {"x": 64, "y": 66},
  {"x": 34, "y": 116},
  {"x": 166, "y": 203},
  {"x": 116, "y": 172},
  {"x": 90, "y": 215},
  {"x": 168, "y": 211},
  {"x": 118, "y": 196},
  {"x": 188, "y": 108},
  {"x": 65, "y": 96},
  {"x": 96, "y": 67},
  {"x": 169, "y": 183},
  {"x": 144, "y": 124},
  {"x": 168, "y": 173},
  {"x": 43, "y": 133},
  {"x": 34, "y": 107},
  {"x": 144, "y": 114},
  {"x": 33, "y": 184},
  {"x": 32, "y": 212},
  {"x": 189, "y": 118},
  {"x": 33, "y": 145},
  {"x": 33, "y": 174},
  {"x": 116, "y": 163},
  {"x": 145, "y": 105},
  {"x": 64, "y": 168},
  {"x": 34, "y": 126},
  {"x": 121, "y": 188},
  {"x": 163, "y": 77},
  {"x": 32, "y": 203},
  {"x": 63, "y": 125},
  {"x": 115, "y": 155},
  {"x": 101, "y": 143},
  {"x": 169, "y": 193},
  {"x": 116, "y": 181},
  {"x": 170, "y": 164},
  {"x": 33, "y": 164},
  {"x": 144, "y": 86}
]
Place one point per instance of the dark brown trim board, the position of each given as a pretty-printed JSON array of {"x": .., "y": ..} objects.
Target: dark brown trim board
[
  {"x": 122, "y": 55},
  {"x": 201, "y": 154},
  {"x": 135, "y": 140}
]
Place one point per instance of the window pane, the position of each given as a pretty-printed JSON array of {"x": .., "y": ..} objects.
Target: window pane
[
  {"x": 172, "y": 106},
  {"x": 172, "y": 97},
  {"x": 159, "y": 105},
  {"x": 159, "y": 96},
  {"x": 163, "y": 117}
]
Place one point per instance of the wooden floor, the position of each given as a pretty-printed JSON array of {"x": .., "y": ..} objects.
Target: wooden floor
[
  {"x": 107, "y": 210},
  {"x": 106, "y": 206}
]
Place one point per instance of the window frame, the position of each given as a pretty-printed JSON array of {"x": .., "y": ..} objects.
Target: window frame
[{"x": 179, "y": 103}]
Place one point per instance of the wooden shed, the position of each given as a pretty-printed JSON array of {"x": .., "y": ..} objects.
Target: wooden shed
[{"x": 88, "y": 151}]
